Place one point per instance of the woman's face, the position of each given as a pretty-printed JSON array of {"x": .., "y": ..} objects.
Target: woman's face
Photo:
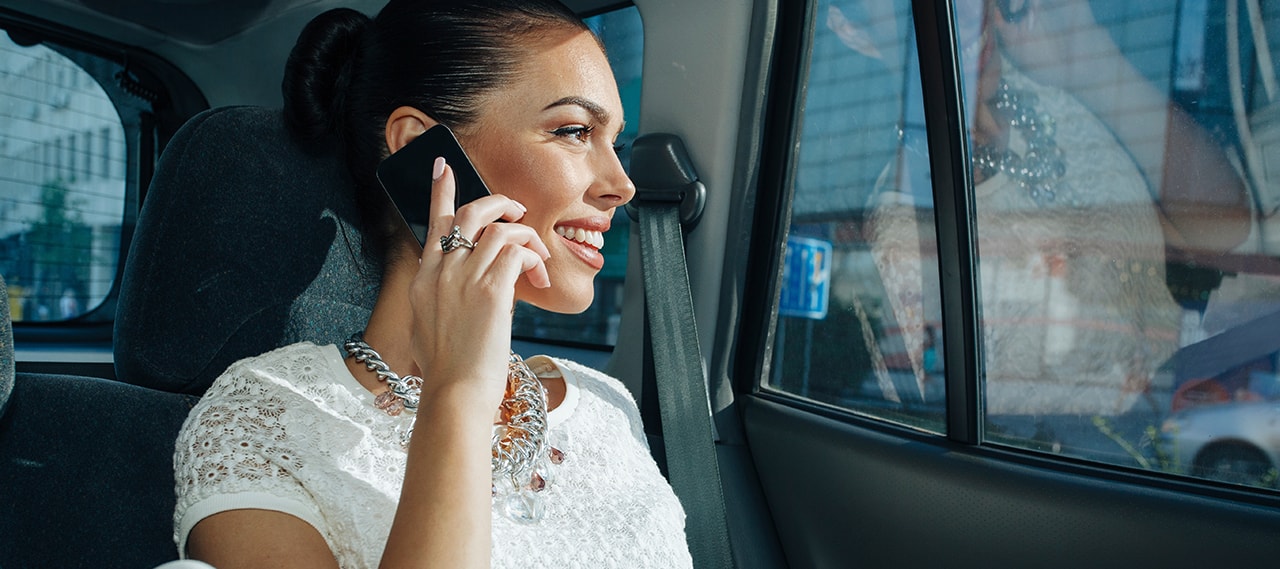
[{"x": 547, "y": 141}]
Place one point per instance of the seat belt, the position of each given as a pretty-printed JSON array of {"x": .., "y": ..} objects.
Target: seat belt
[{"x": 668, "y": 198}]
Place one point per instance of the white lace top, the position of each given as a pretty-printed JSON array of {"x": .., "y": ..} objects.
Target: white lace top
[{"x": 293, "y": 431}]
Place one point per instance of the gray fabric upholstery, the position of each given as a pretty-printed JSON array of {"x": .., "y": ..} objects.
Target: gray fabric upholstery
[
  {"x": 245, "y": 242},
  {"x": 86, "y": 475},
  {"x": 6, "y": 348}
]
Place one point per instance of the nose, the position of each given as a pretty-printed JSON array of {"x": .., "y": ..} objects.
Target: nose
[{"x": 612, "y": 187}]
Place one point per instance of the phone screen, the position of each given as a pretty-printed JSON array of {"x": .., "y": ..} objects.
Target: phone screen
[{"x": 406, "y": 177}]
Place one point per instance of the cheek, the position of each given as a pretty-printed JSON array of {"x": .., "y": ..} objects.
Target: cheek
[{"x": 547, "y": 187}]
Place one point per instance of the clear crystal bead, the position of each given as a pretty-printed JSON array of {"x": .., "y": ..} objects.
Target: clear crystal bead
[{"x": 523, "y": 507}]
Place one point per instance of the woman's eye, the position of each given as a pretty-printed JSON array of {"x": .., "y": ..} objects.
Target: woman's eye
[
  {"x": 579, "y": 133},
  {"x": 619, "y": 147}
]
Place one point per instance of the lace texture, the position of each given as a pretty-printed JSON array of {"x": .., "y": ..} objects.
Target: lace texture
[
  {"x": 292, "y": 431},
  {"x": 1075, "y": 312}
]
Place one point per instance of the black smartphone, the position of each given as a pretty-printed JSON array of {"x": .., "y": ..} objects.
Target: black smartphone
[{"x": 406, "y": 176}]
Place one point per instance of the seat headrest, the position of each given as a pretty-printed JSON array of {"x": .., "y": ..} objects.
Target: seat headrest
[
  {"x": 246, "y": 242},
  {"x": 6, "y": 348}
]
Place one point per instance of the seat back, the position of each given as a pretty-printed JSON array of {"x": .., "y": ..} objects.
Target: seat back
[
  {"x": 86, "y": 473},
  {"x": 7, "y": 364},
  {"x": 246, "y": 242}
]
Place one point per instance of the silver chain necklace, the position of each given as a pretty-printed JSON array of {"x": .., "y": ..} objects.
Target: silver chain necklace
[{"x": 522, "y": 459}]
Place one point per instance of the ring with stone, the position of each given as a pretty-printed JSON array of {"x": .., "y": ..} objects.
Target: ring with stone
[{"x": 454, "y": 240}]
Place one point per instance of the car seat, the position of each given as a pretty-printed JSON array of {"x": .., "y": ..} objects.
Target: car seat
[{"x": 246, "y": 241}]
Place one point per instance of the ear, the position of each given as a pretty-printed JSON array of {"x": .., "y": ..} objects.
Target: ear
[{"x": 404, "y": 125}]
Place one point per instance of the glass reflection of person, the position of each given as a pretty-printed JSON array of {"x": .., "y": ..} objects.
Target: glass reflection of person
[{"x": 1084, "y": 173}]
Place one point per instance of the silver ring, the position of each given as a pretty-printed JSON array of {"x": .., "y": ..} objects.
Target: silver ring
[{"x": 451, "y": 242}]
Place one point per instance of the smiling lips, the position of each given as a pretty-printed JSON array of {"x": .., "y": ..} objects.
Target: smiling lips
[{"x": 585, "y": 243}]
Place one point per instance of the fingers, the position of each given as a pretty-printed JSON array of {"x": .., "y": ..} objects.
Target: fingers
[
  {"x": 443, "y": 188},
  {"x": 470, "y": 217},
  {"x": 508, "y": 250},
  {"x": 501, "y": 252}
]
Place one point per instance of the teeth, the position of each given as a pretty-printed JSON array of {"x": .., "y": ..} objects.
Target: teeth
[{"x": 586, "y": 236}]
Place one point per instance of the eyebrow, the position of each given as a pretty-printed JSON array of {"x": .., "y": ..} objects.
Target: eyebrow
[{"x": 597, "y": 112}]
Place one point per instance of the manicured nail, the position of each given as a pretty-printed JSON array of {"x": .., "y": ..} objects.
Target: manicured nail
[
  {"x": 437, "y": 169},
  {"x": 521, "y": 206}
]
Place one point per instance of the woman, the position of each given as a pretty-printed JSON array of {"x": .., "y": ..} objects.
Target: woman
[
  {"x": 313, "y": 456},
  {"x": 1084, "y": 174}
]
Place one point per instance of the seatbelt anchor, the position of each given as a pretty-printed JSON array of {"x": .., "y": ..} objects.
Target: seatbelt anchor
[{"x": 664, "y": 174}]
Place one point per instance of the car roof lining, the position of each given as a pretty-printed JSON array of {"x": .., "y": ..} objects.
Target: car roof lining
[{"x": 208, "y": 22}]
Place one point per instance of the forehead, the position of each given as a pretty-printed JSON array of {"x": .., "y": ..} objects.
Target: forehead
[{"x": 568, "y": 65}]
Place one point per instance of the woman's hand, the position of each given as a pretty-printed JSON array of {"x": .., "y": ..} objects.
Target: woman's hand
[
  {"x": 462, "y": 300},
  {"x": 461, "y": 338}
]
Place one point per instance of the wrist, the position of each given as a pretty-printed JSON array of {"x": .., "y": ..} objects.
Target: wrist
[{"x": 460, "y": 399}]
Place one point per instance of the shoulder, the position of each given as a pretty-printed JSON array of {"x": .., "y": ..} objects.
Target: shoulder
[
  {"x": 291, "y": 378},
  {"x": 279, "y": 368},
  {"x": 593, "y": 379},
  {"x": 254, "y": 441},
  {"x": 600, "y": 396},
  {"x": 288, "y": 359}
]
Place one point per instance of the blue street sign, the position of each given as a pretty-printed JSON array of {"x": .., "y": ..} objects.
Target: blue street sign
[{"x": 806, "y": 278}]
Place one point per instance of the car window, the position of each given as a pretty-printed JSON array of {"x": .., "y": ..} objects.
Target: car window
[
  {"x": 1123, "y": 180},
  {"x": 842, "y": 337},
  {"x": 622, "y": 34},
  {"x": 63, "y": 171},
  {"x": 1117, "y": 234}
]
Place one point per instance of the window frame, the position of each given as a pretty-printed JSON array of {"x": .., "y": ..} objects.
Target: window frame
[
  {"x": 955, "y": 223},
  {"x": 179, "y": 99}
]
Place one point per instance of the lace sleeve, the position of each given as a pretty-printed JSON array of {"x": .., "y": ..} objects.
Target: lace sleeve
[{"x": 235, "y": 452}]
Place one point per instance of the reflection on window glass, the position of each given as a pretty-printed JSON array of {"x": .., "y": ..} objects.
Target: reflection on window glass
[
  {"x": 622, "y": 35},
  {"x": 62, "y": 184},
  {"x": 852, "y": 327},
  {"x": 1126, "y": 181},
  {"x": 1127, "y": 285}
]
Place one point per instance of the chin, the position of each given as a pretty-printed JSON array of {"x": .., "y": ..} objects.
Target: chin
[{"x": 558, "y": 300}]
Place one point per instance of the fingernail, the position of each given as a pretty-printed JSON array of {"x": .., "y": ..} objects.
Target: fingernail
[
  {"x": 437, "y": 169},
  {"x": 521, "y": 206}
]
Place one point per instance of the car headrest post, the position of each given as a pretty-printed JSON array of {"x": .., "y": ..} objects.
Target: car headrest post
[{"x": 662, "y": 172}]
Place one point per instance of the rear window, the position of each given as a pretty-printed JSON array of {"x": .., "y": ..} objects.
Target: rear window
[{"x": 63, "y": 172}]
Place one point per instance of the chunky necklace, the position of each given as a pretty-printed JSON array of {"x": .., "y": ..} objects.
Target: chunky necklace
[
  {"x": 1039, "y": 171},
  {"x": 522, "y": 458}
]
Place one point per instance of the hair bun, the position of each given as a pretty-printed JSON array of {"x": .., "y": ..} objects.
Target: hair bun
[{"x": 319, "y": 71}]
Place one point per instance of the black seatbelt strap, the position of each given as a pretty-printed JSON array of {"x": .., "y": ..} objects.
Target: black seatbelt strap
[{"x": 683, "y": 401}]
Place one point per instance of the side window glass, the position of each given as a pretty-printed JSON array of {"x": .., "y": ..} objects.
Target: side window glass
[
  {"x": 1125, "y": 185},
  {"x": 858, "y": 317},
  {"x": 623, "y": 38},
  {"x": 62, "y": 181}
]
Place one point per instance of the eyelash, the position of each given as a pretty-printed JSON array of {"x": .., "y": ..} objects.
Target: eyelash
[{"x": 581, "y": 133}]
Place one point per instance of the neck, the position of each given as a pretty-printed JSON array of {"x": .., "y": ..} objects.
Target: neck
[{"x": 388, "y": 331}]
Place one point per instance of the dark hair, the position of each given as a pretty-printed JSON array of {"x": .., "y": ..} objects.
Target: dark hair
[{"x": 347, "y": 73}]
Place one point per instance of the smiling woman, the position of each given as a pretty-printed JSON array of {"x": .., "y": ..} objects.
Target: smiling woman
[{"x": 467, "y": 455}]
